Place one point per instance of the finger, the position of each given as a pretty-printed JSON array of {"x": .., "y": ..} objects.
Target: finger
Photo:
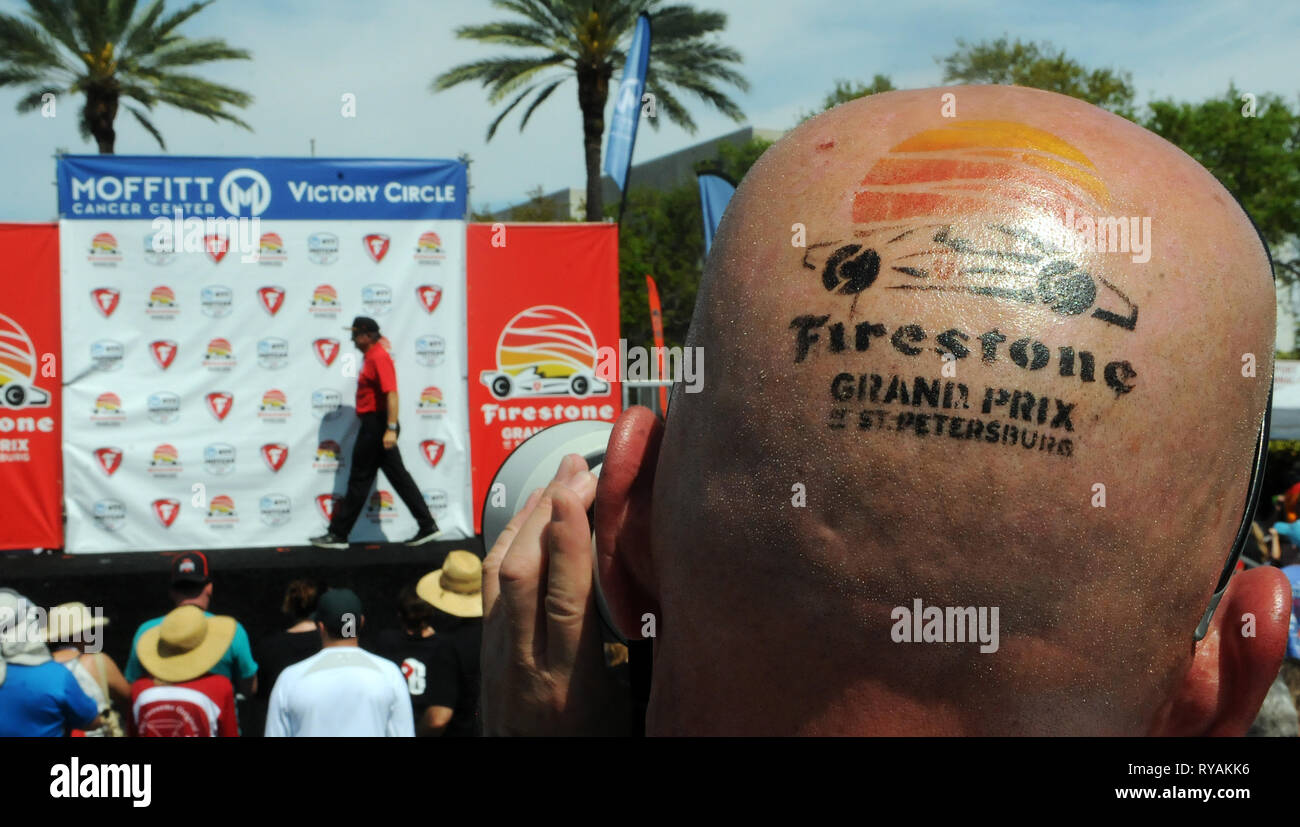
[
  {"x": 521, "y": 577},
  {"x": 568, "y": 603},
  {"x": 572, "y": 470},
  {"x": 492, "y": 563}
]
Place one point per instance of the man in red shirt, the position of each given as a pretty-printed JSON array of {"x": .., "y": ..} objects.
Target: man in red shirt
[{"x": 376, "y": 445}]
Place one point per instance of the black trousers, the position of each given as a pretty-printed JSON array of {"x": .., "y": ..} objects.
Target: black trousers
[{"x": 368, "y": 458}]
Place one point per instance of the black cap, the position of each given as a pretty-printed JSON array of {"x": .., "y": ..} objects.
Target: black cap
[
  {"x": 191, "y": 567},
  {"x": 336, "y": 608},
  {"x": 364, "y": 324}
]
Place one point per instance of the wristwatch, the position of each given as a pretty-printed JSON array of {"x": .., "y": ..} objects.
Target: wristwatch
[{"x": 392, "y": 426}]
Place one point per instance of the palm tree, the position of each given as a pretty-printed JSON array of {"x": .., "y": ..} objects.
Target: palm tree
[
  {"x": 96, "y": 48},
  {"x": 584, "y": 37}
]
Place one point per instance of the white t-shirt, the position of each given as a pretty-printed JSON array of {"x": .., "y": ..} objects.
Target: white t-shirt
[{"x": 340, "y": 691}]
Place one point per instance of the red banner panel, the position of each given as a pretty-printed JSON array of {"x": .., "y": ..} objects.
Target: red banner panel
[
  {"x": 542, "y": 304},
  {"x": 31, "y": 415}
]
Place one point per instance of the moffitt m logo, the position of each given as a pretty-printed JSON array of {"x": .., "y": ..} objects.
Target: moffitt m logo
[{"x": 244, "y": 187}]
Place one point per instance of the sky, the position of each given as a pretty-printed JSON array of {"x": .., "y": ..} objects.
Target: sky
[{"x": 308, "y": 53}]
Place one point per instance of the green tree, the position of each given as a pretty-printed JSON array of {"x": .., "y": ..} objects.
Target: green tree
[
  {"x": 1040, "y": 66},
  {"x": 847, "y": 90},
  {"x": 103, "y": 51},
  {"x": 661, "y": 235},
  {"x": 734, "y": 160},
  {"x": 586, "y": 39},
  {"x": 1256, "y": 158}
]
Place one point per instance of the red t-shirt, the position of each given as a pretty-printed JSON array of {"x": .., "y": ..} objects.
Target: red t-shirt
[
  {"x": 201, "y": 708},
  {"x": 378, "y": 378}
]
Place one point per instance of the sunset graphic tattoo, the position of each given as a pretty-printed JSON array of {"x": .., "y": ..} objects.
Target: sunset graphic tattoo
[{"x": 905, "y": 240}]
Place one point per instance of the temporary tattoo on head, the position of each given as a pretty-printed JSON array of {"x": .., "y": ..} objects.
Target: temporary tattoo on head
[{"x": 981, "y": 170}]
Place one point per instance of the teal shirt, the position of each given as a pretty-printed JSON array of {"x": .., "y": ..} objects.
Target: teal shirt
[{"x": 237, "y": 663}]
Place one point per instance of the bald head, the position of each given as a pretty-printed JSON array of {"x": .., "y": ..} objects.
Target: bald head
[{"x": 992, "y": 360}]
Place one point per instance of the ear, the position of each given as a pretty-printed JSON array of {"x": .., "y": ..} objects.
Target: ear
[
  {"x": 623, "y": 519},
  {"x": 1236, "y": 662}
]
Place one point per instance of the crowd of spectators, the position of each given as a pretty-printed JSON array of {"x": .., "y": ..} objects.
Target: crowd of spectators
[{"x": 186, "y": 669}]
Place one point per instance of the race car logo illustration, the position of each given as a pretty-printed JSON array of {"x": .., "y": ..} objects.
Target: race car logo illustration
[
  {"x": 377, "y": 299},
  {"x": 220, "y": 355},
  {"x": 326, "y": 403},
  {"x": 110, "y": 459},
  {"x": 430, "y": 350},
  {"x": 428, "y": 250},
  {"x": 545, "y": 351},
  {"x": 109, "y": 514},
  {"x": 166, "y": 461},
  {"x": 430, "y": 296},
  {"x": 381, "y": 506},
  {"x": 324, "y": 301},
  {"x": 164, "y": 407},
  {"x": 221, "y": 512},
  {"x": 272, "y": 298},
  {"x": 270, "y": 250},
  {"x": 274, "y": 407},
  {"x": 376, "y": 245},
  {"x": 103, "y": 250},
  {"x": 220, "y": 403},
  {"x": 272, "y": 353},
  {"x": 326, "y": 349},
  {"x": 431, "y": 404},
  {"x": 158, "y": 248},
  {"x": 166, "y": 510},
  {"x": 216, "y": 246},
  {"x": 276, "y": 509},
  {"x": 107, "y": 354},
  {"x": 162, "y": 303},
  {"x": 216, "y": 300},
  {"x": 325, "y": 505},
  {"x": 105, "y": 299},
  {"x": 163, "y": 352},
  {"x": 219, "y": 458},
  {"x": 323, "y": 248},
  {"x": 432, "y": 451},
  {"x": 275, "y": 453},
  {"x": 108, "y": 410},
  {"x": 18, "y": 368},
  {"x": 328, "y": 455}
]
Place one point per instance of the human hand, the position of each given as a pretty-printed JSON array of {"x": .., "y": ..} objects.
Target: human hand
[
  {"x": 390, "y": 439},
  {"x": 543, "y": 665}
]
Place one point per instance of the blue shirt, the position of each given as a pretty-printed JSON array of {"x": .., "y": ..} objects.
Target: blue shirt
[
  {"x": 40, "y": 701},
  {"x": 237, "y": 663},
  {"x": 1288, "y": 531},
  {"x": 1293, "y": 636}
]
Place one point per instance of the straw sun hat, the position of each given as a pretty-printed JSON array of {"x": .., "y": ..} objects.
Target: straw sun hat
[
  {"x": 186, "y": 645},
  {"x": 457, "y": 587}
]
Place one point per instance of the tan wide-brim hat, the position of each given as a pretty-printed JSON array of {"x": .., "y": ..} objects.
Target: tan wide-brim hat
[
  {"x": 67, "y": 622},
  {"x": 457, "y": 587},
  {"x": 186, "y": 645}
]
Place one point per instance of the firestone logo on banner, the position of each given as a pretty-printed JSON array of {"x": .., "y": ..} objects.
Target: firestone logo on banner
[
  {"x": 162, "y": 304},
  {"x": 166, "y": 510},
  {"x": 220, "y": 356},
  {"x": 108, "y": 410},
  {"x": 431, "y": 404},
  {"x": 272, "y": 298},
  {"x": 325, "y": 505},
  {"x": 326, "y": 350},
  {"x": 324, "y": 302},
  {"x": 274, "y": 407},
  {"x": 103, "y": 251},
  {"x": 221, "y": 512},
  {"x": 428, "y": 250},
  {"x": 271, "y": 251},
  {"x": 376, "y": 245},
  {"x": 381, "y": 507},
  {"x": 430, "y": 296},
  {"x": 166, "y": 461},
  {"x": 220, "y": 403},
  {"x": 18, "y": 368},
  {"x": 328, "y": 456},
  {"x": 109, "y": 459},
  {"x": 105, "y": 299},
  {"x": 163, "y": 352},
  {"x": 275, "y": 454}
]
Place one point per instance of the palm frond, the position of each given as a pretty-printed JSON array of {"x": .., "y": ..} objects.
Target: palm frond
[
  {"x": 148, "y": 126},
  {"x": 541, "y": 96}
]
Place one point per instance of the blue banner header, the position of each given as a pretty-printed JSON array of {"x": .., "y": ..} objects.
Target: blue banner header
[{"x": 146, "y": 187}]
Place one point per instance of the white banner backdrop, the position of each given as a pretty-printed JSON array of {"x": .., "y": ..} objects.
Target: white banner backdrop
[{"x": 211, "y": 399}]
